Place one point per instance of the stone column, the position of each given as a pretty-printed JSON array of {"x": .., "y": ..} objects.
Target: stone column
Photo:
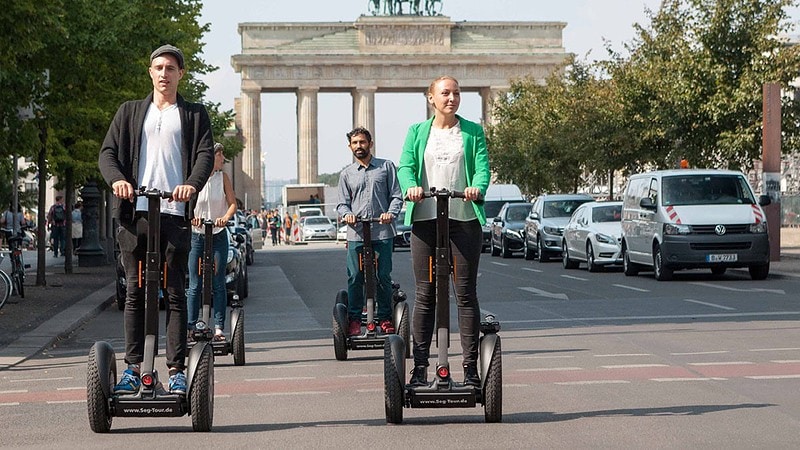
[
  {"x": 307, "y": 152},
  {"x": 364, "y": 109},
  {"x": 488, "y": 96},
  {"x": 428, "y": 107},
  {"x": 251, "y": 156},
  {"x": 91, "y": 253}
]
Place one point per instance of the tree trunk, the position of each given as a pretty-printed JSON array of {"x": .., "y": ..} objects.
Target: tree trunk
[
  {"x": 69, "y": 195},
  {"x": 41, "y": 221}
]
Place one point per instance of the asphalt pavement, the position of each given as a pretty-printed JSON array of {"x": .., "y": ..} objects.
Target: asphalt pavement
[{"x": 50, "y": 313}]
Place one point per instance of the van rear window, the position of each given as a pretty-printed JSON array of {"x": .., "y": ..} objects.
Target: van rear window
[{"x": 705, "y": 190}]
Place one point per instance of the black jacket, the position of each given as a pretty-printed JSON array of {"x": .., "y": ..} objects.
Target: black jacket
[{"x": 119, "y": 155}]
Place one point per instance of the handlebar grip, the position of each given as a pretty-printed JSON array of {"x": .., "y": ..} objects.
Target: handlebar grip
[{"x": 145, "y": 192}]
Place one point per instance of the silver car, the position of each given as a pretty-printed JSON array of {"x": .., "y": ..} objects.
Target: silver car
[
  {"x": 544, "y": 226},
  {"x": 317, "y": 227},
  {"x": 593, "y": 235}
]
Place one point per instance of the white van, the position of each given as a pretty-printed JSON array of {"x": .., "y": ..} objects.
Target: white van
[
  {"x": 685, "y": 219},
  {"x": 496, "y": 196}
]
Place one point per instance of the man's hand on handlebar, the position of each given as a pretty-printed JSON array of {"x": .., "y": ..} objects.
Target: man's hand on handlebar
[
  {"x": 349, "y": 219},
  {"x": 183, "y": 193},
  {"x": 387, "y": 218},
  {"x": 124, "y": 190}
]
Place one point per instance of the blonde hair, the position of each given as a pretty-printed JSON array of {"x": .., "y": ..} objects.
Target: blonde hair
[{"x": 443, "y": 77}]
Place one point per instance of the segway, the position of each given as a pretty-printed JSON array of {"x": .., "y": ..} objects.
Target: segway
[
  {"x": 151, "y": 400},
  {"x": 443, "y": 391},
  {"x": 370, "y": 338},
  {"x": 202, "y": 330}
]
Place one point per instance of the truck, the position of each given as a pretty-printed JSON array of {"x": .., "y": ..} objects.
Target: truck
[{"x": 297, "y": 199}]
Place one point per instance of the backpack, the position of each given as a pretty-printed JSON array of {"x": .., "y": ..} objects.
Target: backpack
[{"x": 59, "y": 214}]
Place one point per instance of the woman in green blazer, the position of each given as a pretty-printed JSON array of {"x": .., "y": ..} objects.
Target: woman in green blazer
[{"x": 446, "y": 151}]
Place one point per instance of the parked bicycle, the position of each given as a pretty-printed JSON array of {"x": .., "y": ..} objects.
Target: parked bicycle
[{"x": 15, "y": 281}]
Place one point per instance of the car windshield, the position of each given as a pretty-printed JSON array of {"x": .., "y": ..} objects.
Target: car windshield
[
  {"x": 561, "y": 208},
  {"x": 706, "y": 190},
  {"x": 610, "y": 213},
  {"x": 317, "y": 221},
  {"x": 517, "y": 213}
]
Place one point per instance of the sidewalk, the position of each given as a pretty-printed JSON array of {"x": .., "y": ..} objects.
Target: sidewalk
[{"x": 52, "y": 312}]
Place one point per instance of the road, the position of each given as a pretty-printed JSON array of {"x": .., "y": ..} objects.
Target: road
[{"x": 590, "y": 360}]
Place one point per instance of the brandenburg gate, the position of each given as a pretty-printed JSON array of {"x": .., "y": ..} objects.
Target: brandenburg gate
[{"x": 374, "y": 54}]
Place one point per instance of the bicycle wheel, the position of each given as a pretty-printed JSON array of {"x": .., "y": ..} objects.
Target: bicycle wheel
[
  {"x": 5, "y": 288},
  {"x": 19, "y": 283}
]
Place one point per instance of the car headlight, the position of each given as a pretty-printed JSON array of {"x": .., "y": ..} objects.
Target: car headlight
[
  {"x": 230, "y": 255},
  {"x": 758, "y": 228},
  {"x": 553, "y": 230},
  {"x": 515, "y": 233},
  {"x": 675, "y": 229},
  {"x": 605, "y": 239}
]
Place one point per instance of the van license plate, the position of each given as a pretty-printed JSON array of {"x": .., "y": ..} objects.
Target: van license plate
[{"x": 730, "y": 257}]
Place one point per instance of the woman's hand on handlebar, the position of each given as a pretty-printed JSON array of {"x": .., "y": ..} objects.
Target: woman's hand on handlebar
[
  {"x": 221, "y": 221},
  {"x": 415, "y": 194},
  {"x": 471, "y": 194},
  {"x": 196, "y": 221}
]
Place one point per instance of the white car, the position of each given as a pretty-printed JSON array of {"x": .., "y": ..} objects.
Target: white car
[
  {"x": 594, "y": 235},
  {"x": 341, "y": 235},
  {"x": 317, "y": 227}
]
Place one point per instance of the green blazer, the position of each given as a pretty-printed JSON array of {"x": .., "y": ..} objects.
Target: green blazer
[{"x": 476, "y": 161}]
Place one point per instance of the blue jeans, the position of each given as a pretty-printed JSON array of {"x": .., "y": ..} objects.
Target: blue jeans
[
  {"x": 59, "y": 236},
  {"x": 355, "y": 279},
  {"x": 194, "y": 294}
]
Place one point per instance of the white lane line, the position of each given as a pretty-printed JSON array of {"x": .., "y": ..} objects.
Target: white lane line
[
  {"x": 722, "y": 363},
  {"x": 77, "y": 388},
  {"x": 546, "y": 357},
  {"x": 542, "y": 293},
  {"x": 688, "y": 379},
  {"x": 39, "y": 379},
  {"x": 531, "y": 270},
  {"x": 292, "y": 366},
  {"x": 518, "y": 385},
  {"x": 550, "y": 369},
  {"x": 773, "y": 377},
  {"x": 623, "y": 286},
  {"x": 15, "y": 391},
  {"x": 589, "y": 382},
  {"x": 279, "y": 379},
  {"x": 64, "y": 402},
  {"x": 572, "y": 277},
  {"x": 614, "y": 355},
  {"x": 222, "y": 396},
  {"x": 713, "y": 305},
  {"x": 10, "y": 404},
  {"x": 283, "y": 394},
  {"x": 662, "y": 317},
  {"x": 633, "y": 366},
  {"x": 366, "y": 375},
  {"x": 372, "y": 391},
  {"x": 728, "y": 288},
  {"x": 785, "y": 361},
  {"x": 715, "y": 352},
  {"x": 499, "y": 264},
  {"x": 784, "y": 349}
]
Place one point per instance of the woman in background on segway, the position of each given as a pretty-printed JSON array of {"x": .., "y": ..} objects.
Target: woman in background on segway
[
  {"x": 217, "y": 202},
  {"x": 446, "y": 151}
]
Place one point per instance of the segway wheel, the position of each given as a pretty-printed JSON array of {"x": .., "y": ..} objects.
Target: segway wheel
[
  {"x": 341, "y": 297},
  {"x": 404, "y": 327},
  {"x": 392, "y": 380},
  {"x": 493, "y": 387},
  {"x": 339, "y": 331},
  {"x": 237, "y": 341},
  {"x": 102, "y": 370},
  {"x": 201, "y": 396}
]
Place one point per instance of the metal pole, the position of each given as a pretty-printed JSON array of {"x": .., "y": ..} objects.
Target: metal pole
[{"x": 771, "y": 157}]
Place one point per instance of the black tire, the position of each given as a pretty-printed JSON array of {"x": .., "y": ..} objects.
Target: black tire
[
  {"x": 19, "y": 283},
  {"x": 504, "y": 251},
  {"x": 628, "y": 268},
  {"x": 495, "y": 250},
  {"x": 566, "y": 261},
  {"x": 493, "y": 387},
  {"x": 201, "y": 396},
  {"x": 759, "y": 272},
  {"x": 392, "y": 386},
  {"x": 660, "y": 271},
  {"x": 100, "y": 417},
  {"x": 340, "y": 323},
  {"x": 245, "y": 284},
  {"x": 590, "y": 264},
  {"x": 541, "y": 253},
  {"x": 718, "y": 271},
  {"x": 5, "y": 288},
  {"x": 341, "y": 297},
  {"x": 404, "y": 329},
  {"x": 237, "y": 341},
  {"x": 526, "y": 250}
]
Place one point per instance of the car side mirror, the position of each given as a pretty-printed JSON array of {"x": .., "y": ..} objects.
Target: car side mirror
[
  {"x": 647, "y": 203},
  {"x": 764, "y": 200},
  {"x": 239, "y": 238},
  {"x": 497, "y": 219},
  {"x": 534, "y": 216}
]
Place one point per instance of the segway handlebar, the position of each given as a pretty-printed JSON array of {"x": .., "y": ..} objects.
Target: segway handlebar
[
  {"x": 145, "y": 192},
  {"x": 445, "y": 193}
]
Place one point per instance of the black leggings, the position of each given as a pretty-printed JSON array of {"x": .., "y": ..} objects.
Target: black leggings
[{"x": 466, "y": 240}]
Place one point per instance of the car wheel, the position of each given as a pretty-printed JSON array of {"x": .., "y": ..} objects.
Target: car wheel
[
  {"x": 628, "y": 268},
  {"x": 495, "y": 250},
  {"x": 541, "y": 253},
  {"x": 506, "y": 253},
  {"x": 566, "y": 261},
  {"x": 590, "y": 264},
  {"x": 718, "y": 271},
  {"x": 661, "y": 273},
  {"x": 526, "y": 250},
  {"x": 759, "y": 272}
]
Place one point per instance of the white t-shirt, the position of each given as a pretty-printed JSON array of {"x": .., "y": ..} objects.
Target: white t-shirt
[
  {"x": 211, "y": 201},
  {"x": 160, "y": 160},
  {"x": 444, "y": 168}
]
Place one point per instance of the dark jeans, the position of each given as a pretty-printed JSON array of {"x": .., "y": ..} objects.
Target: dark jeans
[
  {"x": 274, "y": 233},
  {"x": 219, "y": 248},
  {"x": 175, "y": 240},
  {"x": 466, "y": 240},
  {"x": 58, "y": 234},
  {"x": 355, "y": 279}
]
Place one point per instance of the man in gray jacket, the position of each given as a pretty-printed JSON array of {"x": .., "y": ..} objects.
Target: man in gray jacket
[{"x": 161, "y": 142}]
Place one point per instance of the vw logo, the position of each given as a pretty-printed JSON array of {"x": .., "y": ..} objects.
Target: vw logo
[{"x": 719, "y": 229}]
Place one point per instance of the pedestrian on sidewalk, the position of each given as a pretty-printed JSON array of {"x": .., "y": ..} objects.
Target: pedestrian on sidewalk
[
  {"x": 161, "y": 142},
  {"x": 57, "y": 224},
  {"x": 77, "y": 226}
]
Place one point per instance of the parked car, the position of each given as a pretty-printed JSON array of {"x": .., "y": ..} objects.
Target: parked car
[
  {"x": 402, "y": 232},
  {"x": 593, "y": 235},
  {"x": 545, "y": 224},
  {"x": 341, "y": 233},
  {"x": 317, "y": 227},
  {"x": 253, "y": 226},
  {"x": 496, "y": 196},
  {"x": 236, "y": 278},
  {"x": 507, "y": 228}
]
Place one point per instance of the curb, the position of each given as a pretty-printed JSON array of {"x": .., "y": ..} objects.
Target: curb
[{"x": 57, "y": 327}]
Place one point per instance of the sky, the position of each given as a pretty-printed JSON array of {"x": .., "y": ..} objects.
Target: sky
[{"x": 590, "y": 23}]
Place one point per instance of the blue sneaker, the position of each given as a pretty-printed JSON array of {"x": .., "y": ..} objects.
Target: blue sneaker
[
  {"x": 177, "y": 383},
  {"x": 129, "y": 384}
]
